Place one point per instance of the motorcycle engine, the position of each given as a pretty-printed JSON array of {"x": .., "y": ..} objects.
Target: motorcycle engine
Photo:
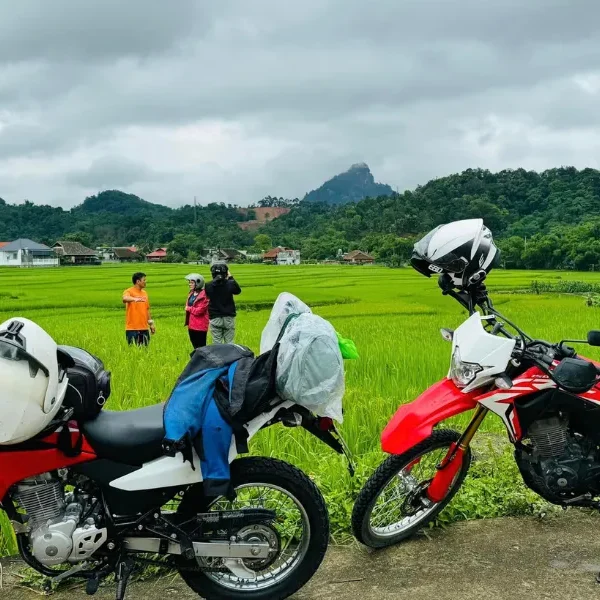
[
  {"x": 56, "y": 533},
  {"x": 562, "y": 465}
]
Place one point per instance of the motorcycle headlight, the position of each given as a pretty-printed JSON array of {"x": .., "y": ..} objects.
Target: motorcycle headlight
[{"x": 463, "y": 373}]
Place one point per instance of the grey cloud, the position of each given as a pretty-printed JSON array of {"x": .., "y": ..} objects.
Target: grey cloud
[
  {"x": 411, "y": 87},
  {"x": 74, "y": 30},
  {"x": 110, "y": 171}
]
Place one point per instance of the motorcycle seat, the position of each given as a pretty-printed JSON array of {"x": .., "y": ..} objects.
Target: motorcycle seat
[{"x": 132, "y": 437}]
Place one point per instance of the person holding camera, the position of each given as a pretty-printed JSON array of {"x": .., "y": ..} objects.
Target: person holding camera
[{"x": 221, "y": 304}]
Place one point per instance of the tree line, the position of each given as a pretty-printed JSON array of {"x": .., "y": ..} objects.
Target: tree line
[{"x": 540, "y": 220}]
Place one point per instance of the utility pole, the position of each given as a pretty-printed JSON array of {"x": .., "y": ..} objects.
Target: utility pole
[{"x": 195, "y": 210}]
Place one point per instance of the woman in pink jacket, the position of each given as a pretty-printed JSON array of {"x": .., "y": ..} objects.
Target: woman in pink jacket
[{"x": 196, "y": 311}]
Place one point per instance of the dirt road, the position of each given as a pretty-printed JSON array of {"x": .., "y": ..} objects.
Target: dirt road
[{"x": 502, "y": 559}]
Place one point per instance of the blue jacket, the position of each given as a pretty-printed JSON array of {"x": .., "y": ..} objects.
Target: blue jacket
[
  {"x": 222, "y": 388},
  {"x": 192, "y": 418}
]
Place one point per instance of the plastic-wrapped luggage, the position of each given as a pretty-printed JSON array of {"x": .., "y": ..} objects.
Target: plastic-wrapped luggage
[
  {"x": 285, "y": 305},
  {"x": 310, "y": 367}
]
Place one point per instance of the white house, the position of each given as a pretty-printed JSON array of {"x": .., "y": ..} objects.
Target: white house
[
  {"x": 27, "y": 253},
  {"x": 282, "y": 256},
  {"x": 288, "y": 256}
]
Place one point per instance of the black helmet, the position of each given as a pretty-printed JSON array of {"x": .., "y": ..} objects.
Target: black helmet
[
  {"x": 463, "y": 250},
  {"x": 219, "y": 271}
]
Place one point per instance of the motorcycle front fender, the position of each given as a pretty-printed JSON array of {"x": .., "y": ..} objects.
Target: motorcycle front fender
[{"x": 414, "y": 422}]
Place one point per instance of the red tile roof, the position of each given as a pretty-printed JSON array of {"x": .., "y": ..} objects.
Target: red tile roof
[
  {"x": 158, "y": 253},
  {"x": 274, "y": 252}
]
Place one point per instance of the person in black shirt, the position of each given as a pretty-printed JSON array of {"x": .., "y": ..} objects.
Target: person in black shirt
[{"x": 221, "y": 304}]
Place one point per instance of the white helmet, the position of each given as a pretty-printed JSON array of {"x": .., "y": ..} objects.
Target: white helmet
[
  {"x": 463, "y": 250},
  {"x": 197, "y": 279},
  {"x": 32, "y": 388}
]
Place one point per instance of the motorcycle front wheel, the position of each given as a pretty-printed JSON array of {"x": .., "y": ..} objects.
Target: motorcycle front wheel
[
  {"x": 392, "y": 505},
  {"x": 300, "y": 533}
]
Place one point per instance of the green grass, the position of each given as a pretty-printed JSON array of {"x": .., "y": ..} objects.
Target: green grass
[{"x": 394, "y": 317}]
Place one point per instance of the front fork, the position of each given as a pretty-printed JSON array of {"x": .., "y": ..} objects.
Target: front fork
[{"x": 452, "y": 462}]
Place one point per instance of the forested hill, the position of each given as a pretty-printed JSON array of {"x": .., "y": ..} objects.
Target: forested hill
[
  {"x": 115, "y": 218},
  {"x": 541, "y": 220}
]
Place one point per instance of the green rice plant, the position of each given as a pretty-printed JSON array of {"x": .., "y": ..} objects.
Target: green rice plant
[
  {"x": 564, "y": 287},
  {"x": 393, "y": 316}
]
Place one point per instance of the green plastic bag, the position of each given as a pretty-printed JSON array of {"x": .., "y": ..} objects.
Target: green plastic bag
[{"x": 347, "y": 347}]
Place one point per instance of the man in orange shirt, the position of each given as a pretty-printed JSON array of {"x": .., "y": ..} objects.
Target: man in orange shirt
[{"x": 138, "y": 320}]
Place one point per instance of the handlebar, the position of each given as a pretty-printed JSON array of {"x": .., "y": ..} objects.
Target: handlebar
[
  {"x": 540, "y": 352},
  {"x": 544, "y": 359},
  {"x": 543, "y": 354}
]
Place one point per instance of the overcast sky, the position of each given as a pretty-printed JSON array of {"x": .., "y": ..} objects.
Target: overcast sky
[{"x": 231, "y": 100}]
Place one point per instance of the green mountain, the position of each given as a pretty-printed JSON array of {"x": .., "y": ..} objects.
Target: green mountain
[
  {"x": 119, "y": 203},
  {"x": 540, "y": 220},
  {"x": 351, "y": 186},
  {"x": 115, "y": 218}
]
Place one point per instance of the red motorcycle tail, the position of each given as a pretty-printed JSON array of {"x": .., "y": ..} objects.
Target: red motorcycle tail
[{"x": 18, "y": 464}]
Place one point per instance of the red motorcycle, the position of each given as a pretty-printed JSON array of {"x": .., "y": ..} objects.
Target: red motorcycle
[{"x": 547, "y": 397}]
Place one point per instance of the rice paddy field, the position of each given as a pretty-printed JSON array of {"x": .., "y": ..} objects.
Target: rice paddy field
[{"x": 393, "y": 315}]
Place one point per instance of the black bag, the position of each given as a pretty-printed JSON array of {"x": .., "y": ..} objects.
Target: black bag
[
  {"x": 253, "y": 389},
  {"x": 253, "y": 393},
  {"x": 89, "y": 384}
]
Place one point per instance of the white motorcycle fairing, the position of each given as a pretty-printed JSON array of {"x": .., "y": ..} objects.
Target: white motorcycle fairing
[
  {"x": 478, "y": 347},
  {"x": 172, "y": 471}
]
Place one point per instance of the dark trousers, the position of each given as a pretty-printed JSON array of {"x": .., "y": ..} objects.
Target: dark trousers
[
  {"x": 198, "y": 338},
  {"x": 139, "y": 338}
]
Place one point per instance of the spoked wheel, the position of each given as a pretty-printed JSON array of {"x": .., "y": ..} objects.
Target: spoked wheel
[
  {"x": 298, "y": 538},
  {"x": 392, "y": 505}
]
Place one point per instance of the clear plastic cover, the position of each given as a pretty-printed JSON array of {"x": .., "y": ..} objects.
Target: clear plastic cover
[
  {"x": 310, "y": 367},
  {"x": 285, "y": 305}
]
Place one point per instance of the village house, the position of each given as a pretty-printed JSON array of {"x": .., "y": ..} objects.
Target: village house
[
  {"x": 357, "y": 257},
  {"x": 282, "y": 256},
  {"x": 159, "y": 255},
  {"x": 226, "y": 255},
  {"x": 75, "y": 253},
  {"x": 27, "y": 253},
  {"x": 127, "y": 255},
  {"x": 120, "y": 254}
]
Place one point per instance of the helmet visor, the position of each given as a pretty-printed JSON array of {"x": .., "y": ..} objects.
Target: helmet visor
[
  {"x": 422, "y": 245},
  {"x": 15, "y": 353}
]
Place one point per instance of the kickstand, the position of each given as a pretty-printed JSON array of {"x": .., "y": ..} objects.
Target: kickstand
[{"x": 124, "y": 571}]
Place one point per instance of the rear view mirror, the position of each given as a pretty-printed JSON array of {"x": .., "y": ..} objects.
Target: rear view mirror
[
  {"x": 448, "y": 334},
  {"x": 593, "y": 337}
]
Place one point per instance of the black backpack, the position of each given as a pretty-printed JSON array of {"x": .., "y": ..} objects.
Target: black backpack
[{"x": 89, "y": 384}]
